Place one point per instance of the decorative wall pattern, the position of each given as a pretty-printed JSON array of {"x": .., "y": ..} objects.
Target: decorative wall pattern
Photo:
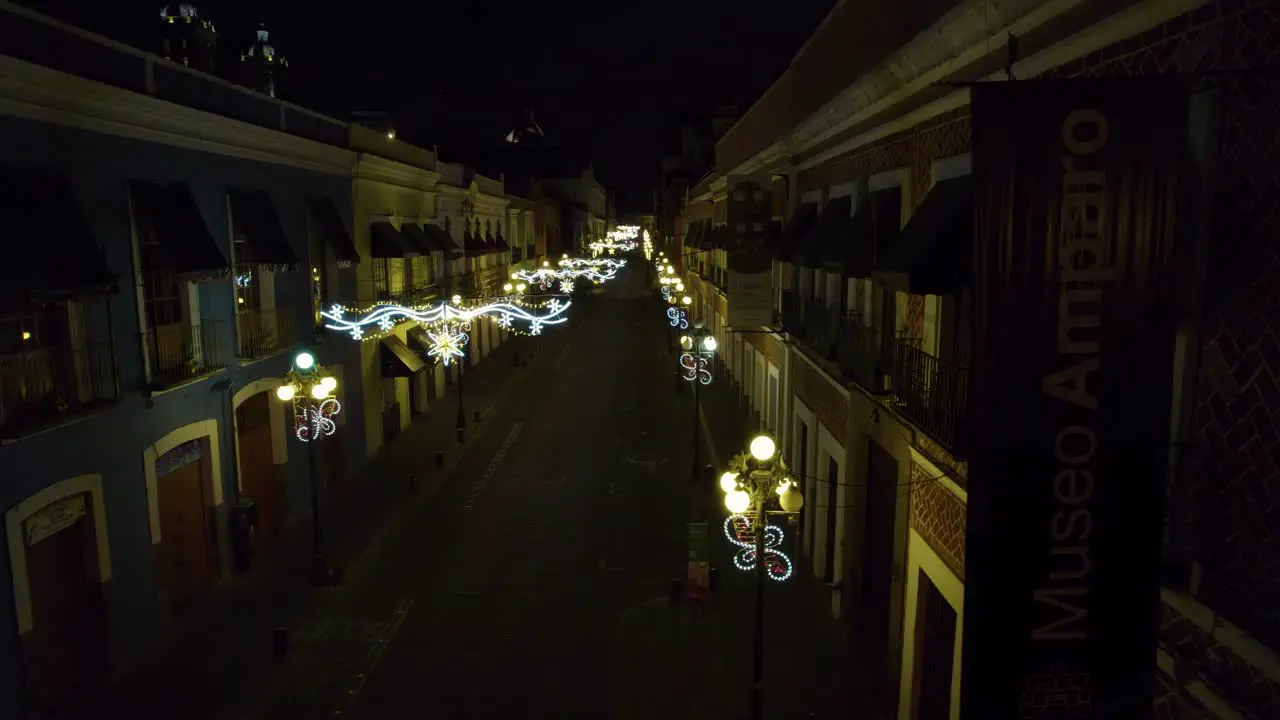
[{"x": 939, "y": 517}]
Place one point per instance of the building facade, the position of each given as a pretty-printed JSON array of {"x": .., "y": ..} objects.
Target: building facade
[
  {"x": 866, "y": 385},
  {"x": 146, "y": 327},
  {"x": 201, "y": 228}
]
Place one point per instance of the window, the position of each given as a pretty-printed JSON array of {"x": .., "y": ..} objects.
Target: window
[
  {"x": 420, "y": 273},
  {"x": 33, "y": 328},
  {"x": 381, "y": 278}
]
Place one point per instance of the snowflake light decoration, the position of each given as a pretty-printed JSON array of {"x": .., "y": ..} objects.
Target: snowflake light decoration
[
  {"x": 445, "y": 313},
  {"x": 566, "y": 286},
  {"x": 448, "y": 343}
]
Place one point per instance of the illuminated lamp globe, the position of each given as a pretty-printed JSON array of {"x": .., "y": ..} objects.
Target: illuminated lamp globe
[
  {"x": 686, "y": 342},
  {"x": 329, "y": 383},
  {"x": 304, "y": 360},
  {"x": 737, "y": 501},
  {"x": 709, "y": 344},
  {"x": 762, "y": 448},
  {"x": 729, "y": 482},
  {"x": 508, "y": 287},
  {"x": 686, "y": 300},
  {"x": 285, "y": 392},
  {"x": 456, "y": 299},
  {"x": 319, "y": 392},
  {"x": 515, "y": 276},
  {"x": 521, "y": 287},
  {"x": 791, "y": 501}
]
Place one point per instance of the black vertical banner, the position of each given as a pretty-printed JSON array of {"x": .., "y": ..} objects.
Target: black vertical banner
[{"x": 1077, "y": 193}]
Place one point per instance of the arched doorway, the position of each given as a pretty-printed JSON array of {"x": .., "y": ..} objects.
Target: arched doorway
[
  {"x": 188, "y": 555},
  {"x": 261, "y": 479},
  {"x": 60, "y": 562}
]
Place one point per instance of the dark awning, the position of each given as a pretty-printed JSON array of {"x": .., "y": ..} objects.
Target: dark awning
[
  {"x": 335, "y": 232},
  {"x": 418, "y": 340},
  {"x": 472, "y": 244},
  {"x": 824, "y": 233},
  {"x": 794, "y": 232},
  {"x": 501, "y": 242},
  {"x": 417, "y": 241},
  {"x": 50, "y": 250},
  {"x": 852, "y": 253},
  {"x": 386, "y": 242},
  {"x": 720, "y": 237},
  {"x": 934, "y": 254},
  {"x": 259, "y": 238},
  {"x": 490, "y": 245},
  {"x": 440, "y": 238},
  {"x": 397, "y": 359},
  {"x": 175, "y": 225}
]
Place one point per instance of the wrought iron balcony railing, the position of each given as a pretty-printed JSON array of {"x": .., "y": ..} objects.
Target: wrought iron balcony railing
[
  {"x": 263, "y": 332},
  {"x": 930, "y": 392},
  {"x": 178, "y": 353},
  {"x": 42, "y": 386}
]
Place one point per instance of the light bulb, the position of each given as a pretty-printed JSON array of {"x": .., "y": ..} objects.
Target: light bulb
[
  {"x": 791, "y": 501},
  {"x": 686, "y": 342},
  {"x": 762, "y": 448},
  {"x": 457, "y": 299},
  {"x": 686, "y": 300},
  {"x": 709, "y": 344},
  {"x": 285, "y": 392},
  {"x": 515, "y": 276},
  {"x": 737, "y": 501},
  {"x": 304, "y": 360},
  {"x": 329, "y": 382},
  {"x": 319, "y": 392},
  {"x": 508, "y": 287},
  {"x": 729, "y": 482}
]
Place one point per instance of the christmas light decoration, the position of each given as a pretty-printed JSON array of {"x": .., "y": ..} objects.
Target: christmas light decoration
[
  {"x": 544, "y": 277},
  {"x": 386, "y": 317},
  {"x": 595, "y": 263},
  {"x": 448, "y": 343},
  {"x": 740, "y": 530},
  {"x": 695, "y": 368},
  {"x": 566, "y": 286},
  {"x": 314, "y": 420},
  {"x": 678, "y": 318}
]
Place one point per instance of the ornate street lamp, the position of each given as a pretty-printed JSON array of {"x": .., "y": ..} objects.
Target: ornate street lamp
[
  {"x": 698, "y": 347},
  {"x": 754, "y": 481},
  {"x": 311, "y": 390}
]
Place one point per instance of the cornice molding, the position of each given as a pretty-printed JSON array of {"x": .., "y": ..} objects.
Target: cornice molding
[
  {"x": 380, "y": 169},
  {"x": 1131, "y": 21},
  {"x": 44, "y": 95}
]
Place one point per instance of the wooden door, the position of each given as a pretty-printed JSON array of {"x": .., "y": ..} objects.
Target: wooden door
[
  {"x": 187, "y": 567},
  {"x": 66, "y": 648},
  {"x": 877, "y": 585},
  {"x": 260, "y": 478},
  {"x": 935, "y": 652}
]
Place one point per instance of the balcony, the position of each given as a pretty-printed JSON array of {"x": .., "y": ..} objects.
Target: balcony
[
  {"x": 179, "y": 353},
  {"x": 44, "y": 386},
  {"x": 263, "y": 332},
  {"x": 930, "y": 392}
]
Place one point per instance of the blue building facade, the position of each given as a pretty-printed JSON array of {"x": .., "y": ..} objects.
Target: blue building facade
[{"x": 136, "y": 415}]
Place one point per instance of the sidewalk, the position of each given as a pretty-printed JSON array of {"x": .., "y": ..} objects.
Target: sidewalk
[
  {"x": 682, "y": 661},
  {"x": 224, "y": 644}
]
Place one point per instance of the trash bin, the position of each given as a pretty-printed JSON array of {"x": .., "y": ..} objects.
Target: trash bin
[{"x": 244, "y": 525}]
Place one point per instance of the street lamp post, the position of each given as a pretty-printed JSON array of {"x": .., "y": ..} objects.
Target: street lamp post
[
  {"x": 311, "y": 390},
  {"x": 699, "y": 347},
  {"x": 753, "y": 481}
]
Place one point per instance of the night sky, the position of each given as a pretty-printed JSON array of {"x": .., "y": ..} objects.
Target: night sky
[{"x": 608, "y": 81}]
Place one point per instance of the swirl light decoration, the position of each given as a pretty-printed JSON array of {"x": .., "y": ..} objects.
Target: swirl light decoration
[
  {"x": 314, "y": 420},
  {"x": 601, "y": 264},
  {"x": 544, "y": 277},
  {"x": 678, "y": 318},
  {"x": 740, "y": 530},
  {"x": 386, "y": 317},
  {"x": 695, "y": 368}
]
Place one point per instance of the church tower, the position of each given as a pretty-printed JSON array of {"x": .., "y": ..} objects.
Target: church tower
[
  {"x": 187, "y": 38},
  {"x": 262, "y": 66}
]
